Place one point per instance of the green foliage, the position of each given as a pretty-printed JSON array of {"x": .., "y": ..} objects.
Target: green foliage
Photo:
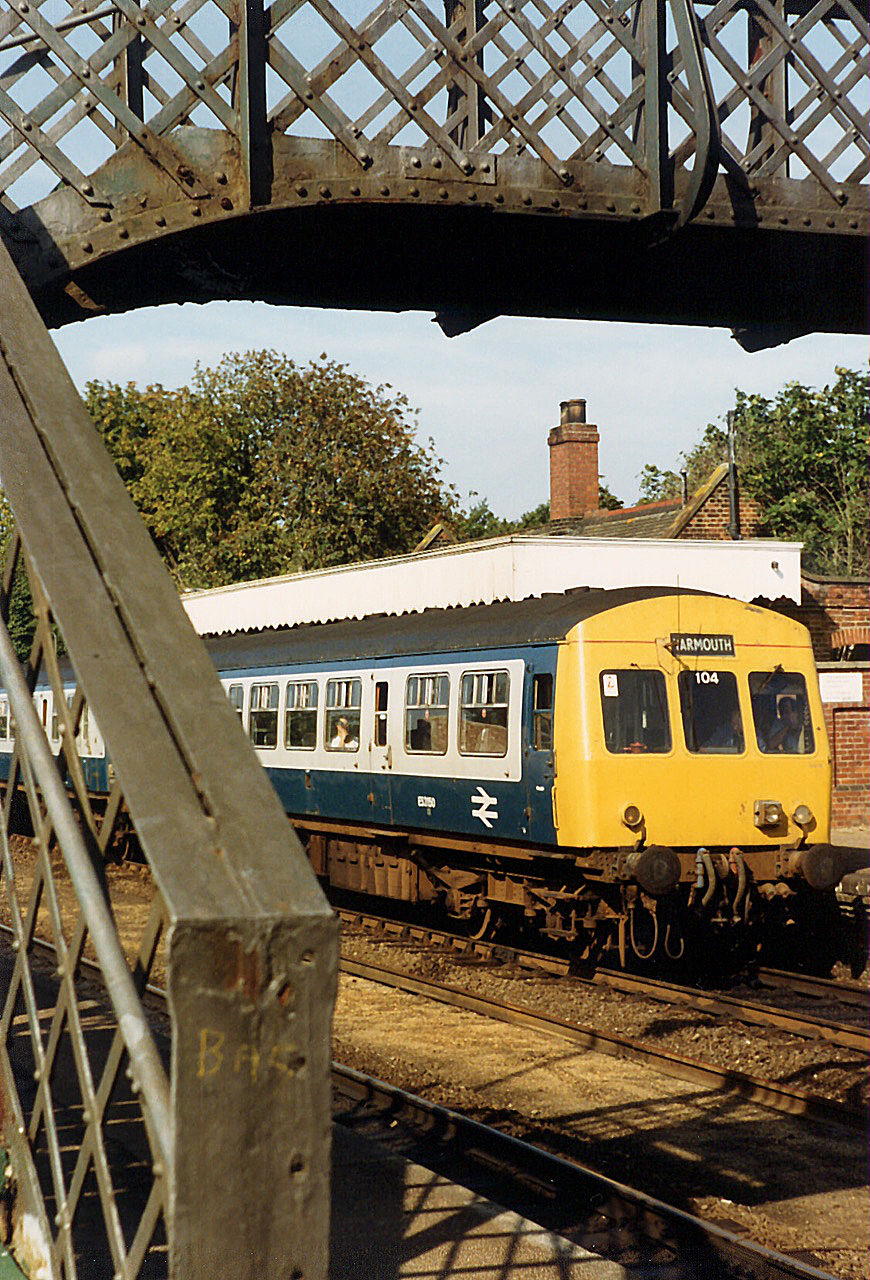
[
  {"x": 479, "y": 521},
  {"x": 657, "y": 485},
  {"x": 803, "y": 456},
  {"x": 262, "y": 467},
  {"x": 21, "y": 620}
]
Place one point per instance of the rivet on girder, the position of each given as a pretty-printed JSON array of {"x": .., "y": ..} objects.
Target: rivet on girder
[
  {"x": 556, "y": 204},
  {"x": 325, "y": 192},
  {"x": 414, "y": 191},
  {"x": 354, "y": 191},
  {"x": 87, "y": 189},
  {"x": 302, "y": 191},
  {"x": 527, "y": 200},
  {"x": 161, "y": 221},
  {"x": 196, "y": 211},
  {"x": 200, "y": 86},
  {"x": 416, "y": 162},
  {"x": 226, "y": 203},
  {"x": 841, "y": 195},
  {"x": 499, "y": 198},
  {"x": 472, "y": 196},
  {"x": 635, "y": 208},
  {"x": 385, "y": 191},
  {"x": 442, "y": 191},
  {"x": 610, "y": 207},
  {"x": 105, "y": 216},
  {"x": 829, "y": 222},
  {"x": 124, "y": 233},
  {"x": 87, "y": 247},
  {"x": 222, "y": 179},
  {"x": 24, "y": 8}
]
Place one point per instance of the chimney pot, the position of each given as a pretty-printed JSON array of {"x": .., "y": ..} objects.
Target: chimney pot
[{"x": 573, "y": 411}]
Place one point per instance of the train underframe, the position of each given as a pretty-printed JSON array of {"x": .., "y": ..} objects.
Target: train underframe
[{"x": 653, "y": 907}]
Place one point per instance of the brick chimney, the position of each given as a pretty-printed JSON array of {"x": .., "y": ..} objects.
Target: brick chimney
[{"x": 573, "y": 463}]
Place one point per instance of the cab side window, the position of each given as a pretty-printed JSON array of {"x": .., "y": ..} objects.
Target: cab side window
[
  {"x": 634, "y": 705},
  {"x": 263, "y": 720},
  {"x": 781, "y": 713},
  {"x": 542, "y": 711},
  {"x": 483, "y": 713},
  {"x": 4, "y": 718}
]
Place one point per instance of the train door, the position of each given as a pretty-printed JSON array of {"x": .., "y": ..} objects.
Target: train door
[
  {"x": 381, "y": 749},
  {"x": 538, "y": 760}
]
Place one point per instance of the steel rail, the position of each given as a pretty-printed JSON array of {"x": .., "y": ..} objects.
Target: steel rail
[
  {"x": 806, "y": 1025},
  {"x": 701, "y": 1247},
  {"x": 771, "y": 1094},
  {"x": 852, "y": 993}
]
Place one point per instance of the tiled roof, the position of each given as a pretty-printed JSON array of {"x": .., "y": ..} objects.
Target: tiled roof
[{"x": 653, "y": 520}]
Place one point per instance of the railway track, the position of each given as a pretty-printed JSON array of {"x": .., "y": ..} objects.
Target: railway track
[
  {"x": 593, "y": 1211},
  {"x": 851, "y": 1035},
  {"x": 776, "y": 1096}
]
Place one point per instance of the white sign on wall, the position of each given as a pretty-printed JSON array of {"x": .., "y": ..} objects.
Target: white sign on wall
[{"x": 841, "y": 686}]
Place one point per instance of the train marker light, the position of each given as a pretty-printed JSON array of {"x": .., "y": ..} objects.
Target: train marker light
[
  {"x": 803, "y": 815},
  {"x": 632, "y": 816},
  {"x": 768, "y": 813}
]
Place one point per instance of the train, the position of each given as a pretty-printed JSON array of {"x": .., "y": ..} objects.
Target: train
[{"x": 639, "y": 775}]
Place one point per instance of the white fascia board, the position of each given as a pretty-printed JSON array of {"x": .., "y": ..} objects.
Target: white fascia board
[{"x": 509, "y": 568}]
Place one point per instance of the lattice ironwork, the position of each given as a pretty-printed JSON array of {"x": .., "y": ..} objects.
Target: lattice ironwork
[
  {"x": 90, "y": 1127},
  {"x": 751, "y": 89},
  {"x": 140, "y": 1142}
]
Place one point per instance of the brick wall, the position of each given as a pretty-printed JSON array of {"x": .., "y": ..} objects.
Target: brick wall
[
  {"x": 713, "y": 517},
  {"x": 827, "y": 604},
  {"x": 848, "y": 724}
]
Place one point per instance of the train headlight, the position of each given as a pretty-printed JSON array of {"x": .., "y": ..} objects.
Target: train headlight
[
  {"x": 632, "y": 816},
  {"x": 803, "y": 815},
  {"x": 768, "y": 813}
]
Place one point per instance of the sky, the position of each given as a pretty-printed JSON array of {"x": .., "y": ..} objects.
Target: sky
[{"x": 489, "y": 397}]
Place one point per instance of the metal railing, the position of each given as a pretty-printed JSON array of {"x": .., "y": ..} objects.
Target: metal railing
[
  {"x": 674, "y": 90},
  {"x": 141, "y": 1143}
]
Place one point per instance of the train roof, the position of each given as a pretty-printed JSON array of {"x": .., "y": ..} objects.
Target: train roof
[{"x": 542, "y": 620}]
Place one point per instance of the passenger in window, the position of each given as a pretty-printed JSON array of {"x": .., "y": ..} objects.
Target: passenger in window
[
  {"x": 342, "y": 739},
  {"x": 785, "y": 732}
]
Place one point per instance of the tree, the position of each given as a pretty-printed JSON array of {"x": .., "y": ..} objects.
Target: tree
[
  {"x": 802, "y": 455},
  {"x": 479, "y": 521},
  {"x": 262, "y": 467}
]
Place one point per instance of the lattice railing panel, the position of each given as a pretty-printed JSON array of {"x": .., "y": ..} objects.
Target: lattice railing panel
[
  {"x": 767, "y": 90},
  {"x": 94, "y": 1129}
]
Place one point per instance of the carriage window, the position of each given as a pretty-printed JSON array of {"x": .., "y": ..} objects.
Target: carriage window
[
  {"x": 426, "y": 702},
  {"x": 635, "y": 708},
  {"x": 343, "y": 699},
  {"x": 4, "y": 718},
  {"x": 381, "y": 697},
  {"x": 263, "y": 720},
  {"x": 236, "y": 695},
  {"x": 542, "y": 712},
  {"x": 300, "y": 716},
  {"x": 711, "y": 713},
  {"x": 781, "y": 712},
  {"x": 483, "y": 712}
]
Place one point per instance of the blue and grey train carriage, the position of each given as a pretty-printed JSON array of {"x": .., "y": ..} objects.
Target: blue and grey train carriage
[{"x": 626, "y": 770}]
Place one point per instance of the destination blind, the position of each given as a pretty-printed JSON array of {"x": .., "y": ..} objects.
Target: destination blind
[{"x": 686, "y": 644}]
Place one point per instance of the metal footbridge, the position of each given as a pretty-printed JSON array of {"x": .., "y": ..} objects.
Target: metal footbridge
[{"x": 623, "y": 159}]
